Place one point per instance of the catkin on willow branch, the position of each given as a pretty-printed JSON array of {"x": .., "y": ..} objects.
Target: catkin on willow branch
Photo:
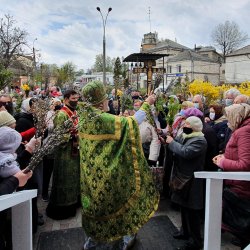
[{"x": 57, "y": 137}]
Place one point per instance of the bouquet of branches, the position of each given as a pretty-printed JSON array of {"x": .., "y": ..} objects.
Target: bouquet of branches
[
  {"x": 57, "y": 137},
  {"x": 126, "y": 102},
  {"x": 173, "y": 109},
  {"x": 40, "y": 109},
  {"x": 60, "y": 134}
]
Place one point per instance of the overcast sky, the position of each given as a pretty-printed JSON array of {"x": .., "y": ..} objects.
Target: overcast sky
[{"x": 71, "y": 30}]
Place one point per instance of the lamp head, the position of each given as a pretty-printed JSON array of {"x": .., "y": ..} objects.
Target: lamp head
[
  {"x": 109, "y": 9},
  {"x": 98, "y": 8}
]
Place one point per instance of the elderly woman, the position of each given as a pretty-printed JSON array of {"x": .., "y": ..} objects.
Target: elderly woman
[
  {"x": 230, "y": 95},
  {"x": 237, "y": 158},
  {"x": 189, "y": 156}
]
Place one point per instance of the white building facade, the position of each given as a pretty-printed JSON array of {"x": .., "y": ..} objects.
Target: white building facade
[{"x": 237, "y": 66}]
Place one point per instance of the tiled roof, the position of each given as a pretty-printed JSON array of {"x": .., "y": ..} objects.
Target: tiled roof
[
  {"x": 242, "y": 51},
  {"x": 167, "y": 44},
  {"x": 189, "y": 55},
  {"x": 207, "y": 48}
]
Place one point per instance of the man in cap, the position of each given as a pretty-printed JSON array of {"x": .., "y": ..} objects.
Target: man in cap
[{"x": 118, "y": 195}]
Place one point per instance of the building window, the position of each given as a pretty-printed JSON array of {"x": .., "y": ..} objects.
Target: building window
[
  {"x": 169, "y": 69},
  {"x": 178, "y": 68}
]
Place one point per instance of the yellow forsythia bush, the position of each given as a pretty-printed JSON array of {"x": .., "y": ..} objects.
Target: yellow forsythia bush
[
  {"x": 244, "y": 88},
  {"x": 206, "y": 89},
  {"x": 214, "y": 93}
]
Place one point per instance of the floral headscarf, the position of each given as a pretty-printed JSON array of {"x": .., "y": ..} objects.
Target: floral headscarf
[{"x": 236, "y": 114}]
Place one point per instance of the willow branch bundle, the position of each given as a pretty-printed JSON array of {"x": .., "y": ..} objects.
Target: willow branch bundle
[
  {"x": 60, "y": 134},
  {"x": 57, "y": 137},
  {"x": 40, "y": 109}
]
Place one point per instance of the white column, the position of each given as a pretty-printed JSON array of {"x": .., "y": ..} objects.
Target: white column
[
  {"x": 22, "y": 226},
  {"x": 212, "y": 231}
]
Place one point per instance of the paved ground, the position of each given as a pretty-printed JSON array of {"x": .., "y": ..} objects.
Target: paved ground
[{"x": 75, "y": 222}]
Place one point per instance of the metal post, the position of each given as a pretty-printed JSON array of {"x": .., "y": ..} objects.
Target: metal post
[
  {"x": 167, "y": 76},
  {"x": 163, "y": 76},
  {"x": 104, "y": 58},
  {"x": 137, "y": 76},
  {"x": 104, "y": 43},
  {"x": 34, "y": 59}
]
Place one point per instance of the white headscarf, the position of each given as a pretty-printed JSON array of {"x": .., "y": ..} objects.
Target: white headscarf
[{"x": 25, "y": 107}]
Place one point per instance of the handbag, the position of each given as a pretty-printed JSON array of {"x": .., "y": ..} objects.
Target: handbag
[
  {"x": 180, "y": 183},
  {"x": 236, "y": 213}
]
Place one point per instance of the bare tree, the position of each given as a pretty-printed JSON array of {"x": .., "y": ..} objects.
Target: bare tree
[
  {"x": 228, "y": 37},
  {"x": 12, "y": 40}
]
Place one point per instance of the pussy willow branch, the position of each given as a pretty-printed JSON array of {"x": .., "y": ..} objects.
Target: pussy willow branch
[
  {"x": 40, "y": 109},
  {"x": 57, "y": 137},
  {"x": 59, "y": 134}
]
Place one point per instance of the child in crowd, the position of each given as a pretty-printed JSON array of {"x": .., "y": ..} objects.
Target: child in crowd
[{"x": 10, "y": 140}]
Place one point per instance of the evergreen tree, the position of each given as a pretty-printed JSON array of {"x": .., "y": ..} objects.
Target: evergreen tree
[{"x": 117, "y": 73}]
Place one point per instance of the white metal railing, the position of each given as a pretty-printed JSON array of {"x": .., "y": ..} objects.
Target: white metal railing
[
  {"x": 214, "y": 185},
  {"x": 20, "y": 203}
]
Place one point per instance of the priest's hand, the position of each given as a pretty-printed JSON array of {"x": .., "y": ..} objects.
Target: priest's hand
[{"x": 151, "y": 98}]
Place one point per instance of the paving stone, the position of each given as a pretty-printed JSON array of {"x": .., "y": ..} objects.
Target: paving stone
[{"x": 146, "y": 239}]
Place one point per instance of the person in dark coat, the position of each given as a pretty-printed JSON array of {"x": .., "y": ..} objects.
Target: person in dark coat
[
  {"x": 24, "y": 119},
  {"x": 210, "y": 136},
  {"x": 24, "y": 122},
  {"x": 218, "y": 122},
  {"x": 189, "y": 156}
]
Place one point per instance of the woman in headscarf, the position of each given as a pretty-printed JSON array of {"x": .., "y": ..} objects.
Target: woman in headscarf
[
  {"x": 24, "y": 119},
  {"x": 237, "y": 158},
  {"x": 189, "y": 156},
  {"x": 179, "y": 119}
]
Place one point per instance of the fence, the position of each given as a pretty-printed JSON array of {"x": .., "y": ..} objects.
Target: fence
[
  {"x": 21, "y": 210},
  {"x": 214, "y": 185}
]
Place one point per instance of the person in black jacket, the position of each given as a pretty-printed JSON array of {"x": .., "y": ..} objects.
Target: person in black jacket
[
  {"x": 10, "y": 184},
  {"x": 24, "y": 119}
]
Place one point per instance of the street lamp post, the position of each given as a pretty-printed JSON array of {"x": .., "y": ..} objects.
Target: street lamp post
[
  {"x": 34, "y": 59},
  {"x": 34, "y": 52},
  {"x": 104, "y": 42}
]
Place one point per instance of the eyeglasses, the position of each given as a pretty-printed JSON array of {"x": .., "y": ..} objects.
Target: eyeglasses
[{"x": 4, "y": 104}]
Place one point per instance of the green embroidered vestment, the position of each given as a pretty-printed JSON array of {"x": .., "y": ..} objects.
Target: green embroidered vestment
[
  {"x": 66, "y": 174},
  {"x": 117, "y": 191}
]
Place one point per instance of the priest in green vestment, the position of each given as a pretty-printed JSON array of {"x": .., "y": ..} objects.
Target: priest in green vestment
[
  {"x": 65, "y": 191},
  {"x": 118, "y": 195}
]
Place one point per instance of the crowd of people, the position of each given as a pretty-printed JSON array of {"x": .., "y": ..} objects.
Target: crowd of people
[{"x": 105, "y": 163}]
